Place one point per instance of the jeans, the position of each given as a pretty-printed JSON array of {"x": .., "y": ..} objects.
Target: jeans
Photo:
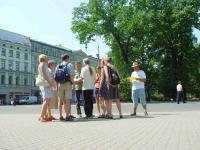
[{"x": 180, "y": 97}]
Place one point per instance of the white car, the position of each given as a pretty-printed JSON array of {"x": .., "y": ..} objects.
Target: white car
[{"x": 28, "y": 100}]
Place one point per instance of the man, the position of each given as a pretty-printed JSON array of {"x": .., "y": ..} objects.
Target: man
[
  {"x": 138, "y": 79},
  {"x": 180, "y": 94},
  {"x": 78, "y": 88},
  {"x": 113, "y": 87},
  {"x": 65, "y": 87}
]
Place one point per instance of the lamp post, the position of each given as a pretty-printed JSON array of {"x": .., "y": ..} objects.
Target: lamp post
[{"x": 98, "y": 53}]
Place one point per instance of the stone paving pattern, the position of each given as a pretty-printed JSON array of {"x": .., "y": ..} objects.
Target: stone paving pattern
[{"x": 168, "y": 127}]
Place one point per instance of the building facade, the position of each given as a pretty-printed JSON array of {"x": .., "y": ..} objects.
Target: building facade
[
  {"x": 19, "y": 63},
  {"x": 15, "y": 72}
]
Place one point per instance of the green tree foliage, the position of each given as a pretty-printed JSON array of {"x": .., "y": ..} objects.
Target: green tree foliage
[{"x": 158, "y": 34}]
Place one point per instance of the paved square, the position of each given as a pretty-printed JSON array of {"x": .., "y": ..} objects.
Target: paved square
[{"x": 168, "y": 127}]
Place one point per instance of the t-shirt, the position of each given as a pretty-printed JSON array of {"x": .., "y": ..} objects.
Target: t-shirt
[
  {"x": 77, "y": 76},
  {"x": 136, "y": 84},
  {"x": 88, "y": 79},
  {"x": 179, "y": 87},
  {"x": 70, "y": 67}
]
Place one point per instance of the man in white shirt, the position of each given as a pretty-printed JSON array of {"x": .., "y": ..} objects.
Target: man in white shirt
[
  {"x": 138, "y": 91},
  {"x": 180, "y": 94}
]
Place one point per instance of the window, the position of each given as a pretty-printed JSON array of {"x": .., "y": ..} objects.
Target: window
[
  {"x": 25, "y": 81},
  {"x": 2, "y": 79},
  {"x": 18, "y": 54},
  {"x": 26, "y": 67},
  {"x": 3, "y": 63},
  {"x": 17, "y": 80},
  {"x": 10, "y": 53},
  {"x": 10, "y": 65},
  {"x": 25, "y": 56},
  {"x": 10, "y": 78},
  {"x": 17, "y": 65},
  {"x": 3, "y": 52}
]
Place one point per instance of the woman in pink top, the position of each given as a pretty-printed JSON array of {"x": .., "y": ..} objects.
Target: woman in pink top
[{"x": 99, "y": 100}]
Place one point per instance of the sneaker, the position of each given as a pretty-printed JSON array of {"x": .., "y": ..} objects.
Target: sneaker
[
  {"x": 133, "y": 114},
  {"x": 61, "y": 118},
  {"x": 69, "y": 119},
  {"x": 71, "y": 116},
  {"x": 79, "y": 116},
  {"x": 120, "y": 116},
  {"x": 146, "y": 114},
  {"x": 101, "y": 116}
]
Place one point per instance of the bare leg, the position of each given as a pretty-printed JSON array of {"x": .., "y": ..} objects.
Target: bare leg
[
  {"x": 68, "y": 108},
  {"x": 118, "y": 103},
  {"x": 98, "y": 104},
  {"x": 60, "y": 107}
]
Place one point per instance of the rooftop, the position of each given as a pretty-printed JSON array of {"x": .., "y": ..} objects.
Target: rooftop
[{"x": 14, "y": 37}]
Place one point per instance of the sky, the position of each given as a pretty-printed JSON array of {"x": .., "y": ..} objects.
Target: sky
[{"x": 48, "y": 21}]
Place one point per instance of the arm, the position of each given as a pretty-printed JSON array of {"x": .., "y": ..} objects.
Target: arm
[{"x": 106, "y": 73}]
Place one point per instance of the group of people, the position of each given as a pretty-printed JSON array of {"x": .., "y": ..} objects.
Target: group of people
[{"x": 57, "y": 83}]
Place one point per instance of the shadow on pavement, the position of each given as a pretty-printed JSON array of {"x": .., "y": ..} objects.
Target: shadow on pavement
[{"x": 103, "y": 119}]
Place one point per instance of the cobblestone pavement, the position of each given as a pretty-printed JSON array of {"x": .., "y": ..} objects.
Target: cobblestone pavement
[{"x": 168, "y": 127}]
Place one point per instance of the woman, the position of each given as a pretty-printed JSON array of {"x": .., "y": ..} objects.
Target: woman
[
  {"x": 46, "y": 91},
  {"x": 88, "y": 78},
  {"x": 99, "y": 100},
  {"x": 104, "y": 90}
]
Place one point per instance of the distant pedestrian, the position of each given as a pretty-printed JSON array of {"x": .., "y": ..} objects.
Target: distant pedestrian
[
  {"x": 78, "y": 88},
  {"x": 64, "y": 77},
  {"x": 180, "y": 93},
  {"x": 44, "y": 82},
  {"x": 88, "y": 78},
  {"x": 114, "y": 81},
  {"x": 138, "y": 79}
]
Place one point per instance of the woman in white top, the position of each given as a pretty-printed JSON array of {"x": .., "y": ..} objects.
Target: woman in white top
[
  {"x": 45, "y": 90},
  {"x": 88, "y": 78}
]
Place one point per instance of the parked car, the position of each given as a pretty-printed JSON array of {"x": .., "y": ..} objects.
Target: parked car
[{"x": 28, "y": 100}]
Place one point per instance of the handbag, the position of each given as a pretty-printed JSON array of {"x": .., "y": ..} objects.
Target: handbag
[{"x": 40, "y": 81}]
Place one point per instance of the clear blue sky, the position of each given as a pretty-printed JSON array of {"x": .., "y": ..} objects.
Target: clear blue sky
[{"x": 48, "y": 21}]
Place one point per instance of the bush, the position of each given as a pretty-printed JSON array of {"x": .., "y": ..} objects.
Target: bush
[{"x": 125, "y": 90}]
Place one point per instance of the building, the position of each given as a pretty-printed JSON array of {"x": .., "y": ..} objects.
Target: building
[
  {"x": 19, "y": 63},
  {"x": 15, "y": 72}
]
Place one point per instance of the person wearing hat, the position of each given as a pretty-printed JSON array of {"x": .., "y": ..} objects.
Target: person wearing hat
[{"x": 138, "y": 79}]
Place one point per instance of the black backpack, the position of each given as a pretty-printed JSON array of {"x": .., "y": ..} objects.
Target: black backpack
[
  {"x": 113, "y": 76},
  {"x": 62, "y": 74}
]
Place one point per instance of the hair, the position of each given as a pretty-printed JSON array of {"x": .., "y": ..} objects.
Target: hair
[
  {"x": 86, "y": 61},
  {"x": 109, "y": 60},
  {"x": 42, "y": 57},
  {"x": 51, "y": 62},
  {"x": 78, "y": 62},
  {"x": 102, "y": 63},
  {"x": 64, "y": 56}
]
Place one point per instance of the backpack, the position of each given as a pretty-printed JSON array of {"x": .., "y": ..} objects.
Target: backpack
[
  {"x": 113, "y": 76},
  {"x": 62, "y": 74}
]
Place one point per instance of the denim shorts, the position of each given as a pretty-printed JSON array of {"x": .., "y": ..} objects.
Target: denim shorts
[
  {"x": 97, "y": 92},
  {"x": 137, "y": 95}
]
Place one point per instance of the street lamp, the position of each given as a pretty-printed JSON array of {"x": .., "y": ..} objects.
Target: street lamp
[{"x": 98, "y": 53}]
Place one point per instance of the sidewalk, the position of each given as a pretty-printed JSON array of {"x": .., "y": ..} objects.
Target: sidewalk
[{"x": 177, "y": 130}]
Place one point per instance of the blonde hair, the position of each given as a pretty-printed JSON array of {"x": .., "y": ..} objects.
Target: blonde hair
[{"x": 42, "y": 57}]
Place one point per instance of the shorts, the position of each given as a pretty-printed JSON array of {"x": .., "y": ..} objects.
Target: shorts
[
  {"x": 114, "y": 92},
  {"x": 97, "y": 92},
  {"x": 46, "y": 92},
  {"x": 139, "y": 94},
  {"x": 54, "y": 102},
  {"x": 65, "y": 91}
]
